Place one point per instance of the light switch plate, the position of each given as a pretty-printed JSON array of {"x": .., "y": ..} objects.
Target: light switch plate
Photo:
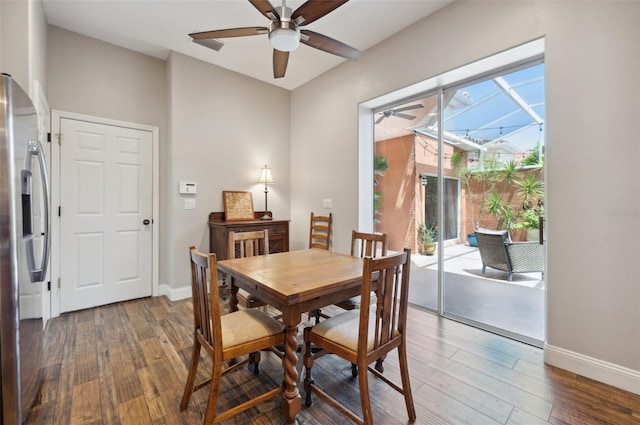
[
  {"x": 190, "y": 204},
  {"x": 327, "y": 203}
]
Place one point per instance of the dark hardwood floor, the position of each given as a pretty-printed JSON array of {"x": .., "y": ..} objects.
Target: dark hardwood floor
[{"x": 126, "y": 364}]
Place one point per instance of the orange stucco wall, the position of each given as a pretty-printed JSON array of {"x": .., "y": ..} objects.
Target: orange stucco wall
[
  {"x": 402, "y": 200},
  {"x": 398, "y": 189}
]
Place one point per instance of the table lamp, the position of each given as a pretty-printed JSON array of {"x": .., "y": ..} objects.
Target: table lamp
[{"x": 266, "y": 179}]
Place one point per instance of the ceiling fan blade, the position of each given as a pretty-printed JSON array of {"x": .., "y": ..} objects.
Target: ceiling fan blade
[
  {"x": 379, "y": 120},
  {"x": 231, "y": 32},
  {"x": 405, "y": 116},
  {"x": 408, "y": 108},
  {"x": 315, "y": 9},
  {"x": 266, "y": 9},
  {"x": 280, "y": 61},
  {"x": 327, "y": 44}
]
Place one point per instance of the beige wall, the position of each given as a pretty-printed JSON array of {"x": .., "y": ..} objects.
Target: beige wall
[
  {"x": 14, "y": 41},
  {"x": 91, "y": 77},
  {"x": 592, "y": 68},
  {"x": 217, "y": 128},
  {"x": 224, "y": 128},
  {"x": 23, "y": 42}
]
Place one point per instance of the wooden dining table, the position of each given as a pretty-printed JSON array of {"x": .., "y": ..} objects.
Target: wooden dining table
[{"x": 294, "y": 282}]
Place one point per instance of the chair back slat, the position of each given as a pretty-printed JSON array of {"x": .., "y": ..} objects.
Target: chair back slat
[
  {"x": 248, "y": 244},
  {"x": 368, "y": 244},
  {"x": 320, "y": 231},
  {"x": 389, "y": 275},
  {"x": 493, "y": 252},
  {"x": 206, "y": 300}
]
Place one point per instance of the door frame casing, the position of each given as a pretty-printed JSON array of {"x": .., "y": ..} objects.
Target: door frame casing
[{"x": 56, "y": 117}]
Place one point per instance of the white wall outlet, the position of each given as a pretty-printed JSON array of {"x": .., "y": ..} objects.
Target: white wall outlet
[
  {"x": 190, "y": 204},
  {"x": 327, "y": 203}
]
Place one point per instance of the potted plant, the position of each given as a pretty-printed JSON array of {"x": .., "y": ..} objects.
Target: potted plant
[
  {"x": 531, "y": 190},
  {"x": 529, "y": 221},
  {"x": 427, "y": 236}
]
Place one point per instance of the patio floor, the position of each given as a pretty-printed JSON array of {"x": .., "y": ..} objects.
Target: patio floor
[{"x": 514, "y": 309}]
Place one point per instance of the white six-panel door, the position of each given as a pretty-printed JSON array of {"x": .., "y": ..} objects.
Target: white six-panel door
[{"x": 106, "y": 199}]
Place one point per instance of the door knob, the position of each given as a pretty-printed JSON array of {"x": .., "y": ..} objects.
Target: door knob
[{"x": 146, "y": 221}]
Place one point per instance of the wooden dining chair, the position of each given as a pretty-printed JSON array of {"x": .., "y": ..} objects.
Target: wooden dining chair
[
  {"x": 362, "y": 244},
  {"x": 224, "y": 337},
  {"x": 365, "y": 335},
  {"x": 320, "y": 231},
  {"x": 319, "y": 237},
  {"x": 248, "y": 244}
]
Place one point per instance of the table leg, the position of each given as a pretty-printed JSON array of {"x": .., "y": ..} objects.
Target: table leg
[
  {"x": 233, "y": 306},
  {"x": 291, "y": 401},
  {"x": 233, "y": 296}
]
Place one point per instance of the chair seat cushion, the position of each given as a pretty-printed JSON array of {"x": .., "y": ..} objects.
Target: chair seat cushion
[
  {"x": 243, "y": 326},
  {"x": 343, "y": 329}
]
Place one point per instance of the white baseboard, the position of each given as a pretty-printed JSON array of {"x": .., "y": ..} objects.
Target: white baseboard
[
  {"x": 175, "y": 294},
  {"x": 608, "y": 373}
]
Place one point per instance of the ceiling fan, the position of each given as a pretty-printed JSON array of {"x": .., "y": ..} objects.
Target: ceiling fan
[
  {"x": 398, "y": 113},
  {"x": 285, "y": 33}
]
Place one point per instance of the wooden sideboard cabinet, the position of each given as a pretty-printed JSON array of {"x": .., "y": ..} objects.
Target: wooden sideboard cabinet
[{"x": 219, "y": 230}]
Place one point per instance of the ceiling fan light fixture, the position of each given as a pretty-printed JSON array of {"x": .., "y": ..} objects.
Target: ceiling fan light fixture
[
  {"x": 284, "y": 39},
  {"x": 284, "y": 31}
]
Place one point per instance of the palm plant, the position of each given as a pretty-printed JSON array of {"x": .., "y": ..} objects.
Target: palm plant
[
  {"x": 508, "y": 174},
  {"x": 489, "y": 175},
  {"x": 497, "y": 205},
  {"x": 530, "y": 189},
  {"x": 501, "y": 210}
]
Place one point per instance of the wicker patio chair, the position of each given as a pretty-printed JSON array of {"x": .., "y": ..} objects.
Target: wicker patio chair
[{"x": 499, "y": 252}]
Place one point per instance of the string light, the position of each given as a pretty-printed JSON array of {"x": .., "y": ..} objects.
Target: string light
[{"x": 467, "y": 130}]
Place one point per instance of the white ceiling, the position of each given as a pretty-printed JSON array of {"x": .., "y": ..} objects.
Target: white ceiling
[{"x": 156, "y": 27}]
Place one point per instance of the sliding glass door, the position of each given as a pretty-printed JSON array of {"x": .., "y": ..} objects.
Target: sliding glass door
[
  {"x": 499, "y": 154},
  {"x": 440, "y": 176}
]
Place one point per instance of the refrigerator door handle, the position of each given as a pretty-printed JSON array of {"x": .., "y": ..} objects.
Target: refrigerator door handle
[{"x": 36, "y": 274}]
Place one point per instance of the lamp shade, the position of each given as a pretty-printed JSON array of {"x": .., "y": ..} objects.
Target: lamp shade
[{"x": 265, "y": 176}]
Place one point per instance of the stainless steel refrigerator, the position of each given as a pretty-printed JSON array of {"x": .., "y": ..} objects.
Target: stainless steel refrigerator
[{"x": 24, "y": 249}]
